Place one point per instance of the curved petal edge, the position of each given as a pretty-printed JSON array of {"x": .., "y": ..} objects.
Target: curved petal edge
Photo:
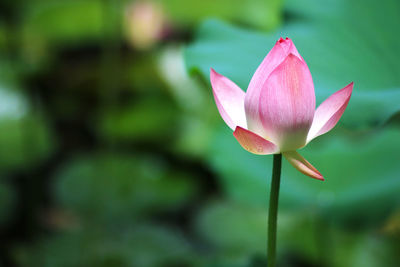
[
  {"x": 302, "y": 165},
  {"x": 329, "y": 112},
  {"x": 253, "y": 142},
  {"x": 229, "y": 99}
]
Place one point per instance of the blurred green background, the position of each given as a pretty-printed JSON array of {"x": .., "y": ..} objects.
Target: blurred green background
[{"x": 112, "y": 152}]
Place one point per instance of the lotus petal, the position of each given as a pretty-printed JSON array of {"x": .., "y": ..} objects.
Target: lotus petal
[
  {"x": 229, "y": 99},
  {"x": 253, "y": 142},
  {"x": 302, "y": 165},
  {"x": 329, "y": 112}
]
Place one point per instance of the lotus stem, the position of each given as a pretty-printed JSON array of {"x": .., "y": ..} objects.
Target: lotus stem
[{"x": 273, "y": 210}]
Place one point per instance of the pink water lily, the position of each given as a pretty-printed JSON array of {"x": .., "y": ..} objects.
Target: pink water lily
[{"x": 277, "y": 113}]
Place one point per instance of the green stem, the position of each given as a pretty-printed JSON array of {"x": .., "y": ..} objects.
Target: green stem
[{"x": 273, "y": 210}]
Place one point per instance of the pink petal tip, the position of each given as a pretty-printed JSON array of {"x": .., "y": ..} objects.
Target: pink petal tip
[
  {"x": 229, "y": 99},
  {"x": 302, "y": 165},
  {"x": 329, "y": 112}
]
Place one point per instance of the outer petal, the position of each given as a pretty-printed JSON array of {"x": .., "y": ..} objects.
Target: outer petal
[
  {"x": 274, "y": 58},
  {"x": 329, "y": 112},
  {"x": 302, "y": 165},
  {"x": 253, "y": 142},
  {"x": 287, "y": 104},
  {"x": 229, "y": 99}
]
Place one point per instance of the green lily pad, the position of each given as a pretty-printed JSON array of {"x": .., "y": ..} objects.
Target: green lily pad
[
  {"x": 48, "y": 25},
  {"x": 362, "y": 175},
  {"x": 24, "y": 139},
  {"x": 136, "y": 245},
  {"x": 258, "y": 13},
  {"x": 238, "y": 233},
  {"x": 150, "y": 119},
  {"x": 109, "y": 188},
  {"x": 349, "y": 44},
  {"x": 223, "y": 225},
  {"x": 63, "y": 21}
]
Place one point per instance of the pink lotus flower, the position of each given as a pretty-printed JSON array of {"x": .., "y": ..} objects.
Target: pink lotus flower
[{"x": 277, "y": 113}]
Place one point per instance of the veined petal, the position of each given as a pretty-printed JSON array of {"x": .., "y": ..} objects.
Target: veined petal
[
  {"x": 287, "y": 104},
  {"x": 276, "y": 56},
  {"x": 253, "y": 142},
  {"x": 329, "y": 112},
  {"x": 229, "y": 99},
  {"x": 302, "y": 165}
]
